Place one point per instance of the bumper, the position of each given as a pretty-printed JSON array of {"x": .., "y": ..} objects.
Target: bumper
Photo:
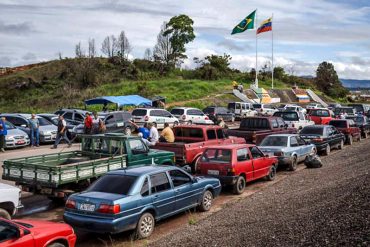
[
  {"x": 225, "y": 180},
  {"x": 47, "y": 138},
  {"x": 320, "y": 146},
  {"x": 101, "y": 225},
  {"x": 285, "y": 160},
  {"x": 16, "y": 144}
]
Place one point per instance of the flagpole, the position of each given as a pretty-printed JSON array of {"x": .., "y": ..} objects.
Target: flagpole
[
  {"x": 256, "y": 80},
  {"x": 272, "y": 53}
]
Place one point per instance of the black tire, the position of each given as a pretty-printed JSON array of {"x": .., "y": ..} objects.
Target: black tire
[
  {"x": 293, "y": 166},
  {"x": 272, "y": 173},
  {"x": 239, "y": 186},
  {"x": 350, "y": 140},
  {"x": 145, "y": 226},
  {"x": 327, "y": 150},
  {"x": 341, "y": 145},
  {"x": 4, "y": 214},
  {"x": 57, "y": 245},
  {"x": 207, "y": 200}
]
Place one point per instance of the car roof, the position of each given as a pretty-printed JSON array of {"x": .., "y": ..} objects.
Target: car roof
[
  {"x": 283, "y": 135},
  {"x": 230, "y": 146},
  {"x": 316, "y": 126},
  {"x": 186, "y": 108},
  {"x": 197, "y": 126},
  {"x": 142, "y": 170}
]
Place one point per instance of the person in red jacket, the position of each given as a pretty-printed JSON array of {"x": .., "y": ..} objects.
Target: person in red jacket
[{"x": 88, "y": 124}]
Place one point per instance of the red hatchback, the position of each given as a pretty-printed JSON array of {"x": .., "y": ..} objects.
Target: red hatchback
[
  {"x": 236, "y": 164},
  {"x": 320, "y": 116},
  {"x": 35, "y": 233}
]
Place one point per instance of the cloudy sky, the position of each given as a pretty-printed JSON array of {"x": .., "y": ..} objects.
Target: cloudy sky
[{"x": 305, "y": 32}]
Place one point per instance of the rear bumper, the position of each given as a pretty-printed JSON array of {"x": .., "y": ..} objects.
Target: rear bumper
[
  {"x": 225, "y": 180},
  {"x": 285, "y": 160},
  {"x": 100, "y": 225},
  {"x": 321, "y": 146}
]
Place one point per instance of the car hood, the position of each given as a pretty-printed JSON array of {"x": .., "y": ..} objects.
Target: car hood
[
  {"x": 42, "y": 228},
  {"x": 48, "y": 128},
  {"x": 16, "y": 132},
  {"x": 7, "y": 187}
]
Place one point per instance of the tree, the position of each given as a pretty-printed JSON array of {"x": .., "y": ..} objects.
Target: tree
[
  {"x": 180, "y": 32},
  {"x": 92, "y": 50},
  {"x": 109, "y": 46},
  {"x": 78, "y": 51},
  {"x": 123, "y": 46},
  {"x": 163, "y": 51},
  {"x": 279, "y": 72},
  {"x": 221, "y": 63},
  {"x": 328, "y": 82},
  {"x": 148, "y": 54}
]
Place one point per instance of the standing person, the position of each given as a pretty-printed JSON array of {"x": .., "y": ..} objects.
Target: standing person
[
  {"x": 167, "y": 134},
  {"x": 143, "y": 130},
  {"x": 153, "y": 134},
  {"x": 3, "y": 133},
  {"x": 62, "y": 132},
  {"x": 97, "y": 124},
  {"x": 34, "y": 129},
  {"x": 88, "y": 122}
]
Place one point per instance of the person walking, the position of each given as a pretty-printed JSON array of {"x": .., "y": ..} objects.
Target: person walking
[
  {"x": 88, "y": 122},
  {"x": 34, "y": 131},
  {"x": 153, "y": 134},
  {"x": 167, "y": 134},
  {"x": 62, "y": 133},
  {"x": 3, "y": 133}
]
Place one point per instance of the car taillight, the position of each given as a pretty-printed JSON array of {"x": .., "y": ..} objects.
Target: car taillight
[
  {"x": 146, "y": 118},
  {"x": 317, "y": 139},
  {"x": 231, "y": 171},
  {"x": 71, "y": 204},
  {"x": 109, "y": 209},
  {"x": 183, "y": 117},
  {"x": 206, "y": 118},
  {"x": 278, "y": 153}
]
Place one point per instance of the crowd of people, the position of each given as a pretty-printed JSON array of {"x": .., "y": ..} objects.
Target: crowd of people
[{"x": 150, "y": 135}]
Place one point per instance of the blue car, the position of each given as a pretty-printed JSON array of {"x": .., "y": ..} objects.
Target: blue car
[{"x": 135, "y": 198}]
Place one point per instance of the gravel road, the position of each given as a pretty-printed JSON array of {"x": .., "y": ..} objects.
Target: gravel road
[{"x": 329, "y": 206}]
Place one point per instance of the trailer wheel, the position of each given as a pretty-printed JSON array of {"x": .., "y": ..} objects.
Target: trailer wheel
[{"x": 4, "y": 214}]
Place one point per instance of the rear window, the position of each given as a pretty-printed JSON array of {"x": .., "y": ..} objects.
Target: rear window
[
  {"x": 255, "y": 123},
  {"x": 275, "y": 141},
  {"x": 287, "y": 116},
  {"x": 291, "y": 108},
  {"x": 338, "y": 124},
  {"x": 320, "y": 113},
  {"x": 139, "y": 112},
  {"x": 188, "y": 132},
  {"x": 177, "y": 111},
  {"x": 344, "y": 110},
  {"x": 217, "y": 156},
  {"x": 312, "y": 131},
  {"x": 257, "y": 106},
  {"x": 231, "y": 106},
  {"x": 114, "y": 184},
  {"x": 209, "y": 110}
]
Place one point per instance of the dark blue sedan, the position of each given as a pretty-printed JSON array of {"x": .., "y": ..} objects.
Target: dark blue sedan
[{"x": 135, "y": 198}]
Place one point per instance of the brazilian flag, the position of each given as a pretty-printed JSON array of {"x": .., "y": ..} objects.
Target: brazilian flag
[{"x": 245, "y": 24}]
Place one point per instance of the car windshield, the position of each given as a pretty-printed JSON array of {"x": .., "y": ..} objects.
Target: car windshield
[
  {"x": 255, "y": 123},
  {"x": 312, "y": 131},
  {"x": 43, "y": 121},
  {"x": 9, "y": 125},
  {"x": 291, "y": 108},
  {"x": 343, "y": 110},
  {"x": 257, "y": 106},
  {"x": 217, "y": 156},
  {"x": 114, "y": 184},
  {"x": 320, "y": 113},
  {"x": 275, "y": 141},
  {"x": 287, "y": 116},
  {"x": 231, "y": 106},
  {"x": 139, "y": 112},
  {"x": 339, "y": 123},
  {"x": 177, "y": 111}
]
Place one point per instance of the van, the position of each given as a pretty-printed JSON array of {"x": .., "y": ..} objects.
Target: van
[
  {"x": 242, "y": 109},
  {"x": 154, "y": 115}
]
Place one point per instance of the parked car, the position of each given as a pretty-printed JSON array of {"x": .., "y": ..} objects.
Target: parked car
[
  {"x": 10, "y": 201},
  {"x": 242, "y": 109},
  {"x": 254, "y": 129},
  {"x": 346, "y": 111},
  {"x": 361, "y": 108},
  {"x": 325, "y": 137},
  {"x": 35, "y": 233},
  {"x": 264, "y": 109},
  {"x": 363, "y": 123},
  {"x": 236, "y": 165},
  {"x": 348, "y": 128},
  {"x": 115, "y": 122},
  {"x": 296, "y": 108},
  {"x": 215, "y": 112},
  {"x": 48, "y": 131},
  {"x": 290, "y": 149},
  {"x": 138, "y": 197},
  {"x": 15, "y": 137},
  {"x": 313, "y": 106},
  {"x": 154, "y": 115},
  {"x": 72, "y": 116},
  {"x": 190, "y": 115},
  {"x": 294, "y": 119},
  {"x": 320, "y": 116},
  {"x": 77, "y": 169},
  {"x": 191, "y": 140},
  {"x": 331, "y": 106}
]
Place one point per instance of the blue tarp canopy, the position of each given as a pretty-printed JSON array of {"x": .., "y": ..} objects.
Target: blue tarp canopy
[{"x": 128, "y": 100}]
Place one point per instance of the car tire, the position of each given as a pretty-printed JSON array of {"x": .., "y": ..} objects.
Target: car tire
[
  {"x": 239, "y": 186},
  {"x": 350, "y": 140},
  {"x": 128, "y": 131},
  {"x": 341, "y": 145},
  {"x": 207, "y": 200},
  {"x": 145, "y": 226},
  {"x": 57, "y": 244},
  {"x": 272, "y": 173},
  {"x": 4, "y": 214},
  {"x": 327, "y": 150},
  {"x": 293, "y": 166}
]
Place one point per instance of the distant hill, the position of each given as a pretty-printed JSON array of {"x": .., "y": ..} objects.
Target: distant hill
[{"x": 351, "y": 84}]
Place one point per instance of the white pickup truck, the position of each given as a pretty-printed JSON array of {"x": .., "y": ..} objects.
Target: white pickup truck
[
  {"x": 294, "y": 119},
  {"x": 9, "y": 200}
]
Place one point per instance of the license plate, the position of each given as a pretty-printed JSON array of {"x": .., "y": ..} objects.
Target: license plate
[
  {"x": 21, "y": 142},
  {"x": 213, "y": 172},
  {"x": 87, "y": 207}
]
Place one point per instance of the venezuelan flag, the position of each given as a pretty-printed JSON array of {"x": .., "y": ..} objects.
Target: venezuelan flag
[{"x": 265, "y": 26}]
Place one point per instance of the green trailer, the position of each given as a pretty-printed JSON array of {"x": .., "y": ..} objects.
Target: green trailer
[{"x": 60, "y": 174}]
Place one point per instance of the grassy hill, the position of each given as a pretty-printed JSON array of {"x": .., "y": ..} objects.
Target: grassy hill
[{"x": 68, "y": 82}]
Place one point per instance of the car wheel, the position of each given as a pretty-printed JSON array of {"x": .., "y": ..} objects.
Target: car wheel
[
  {"x": 350, "y": 140},
  {"x": 207, "y": 200},
  {"x": 4, "y": 214},
  {"x": 128, "y": 131},
  {"x": 145, "y": 226},
  {"x": 272, "y": 173},
  {"x": 293, "y": 165},
  {"x": 57, "y": 245},
  {"x": 239, "y": 186},
  {"x": 327, "y": 150},
  {"x": 175, "y": 123},
  {"x": 341, "y": 144}
]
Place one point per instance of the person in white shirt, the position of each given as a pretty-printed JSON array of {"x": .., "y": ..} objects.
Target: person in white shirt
[
  {"x": 153, "y": 134},
  {"x": 62, "y": 132}
]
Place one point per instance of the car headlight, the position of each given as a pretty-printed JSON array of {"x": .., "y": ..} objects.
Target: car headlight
[{"x": 9, "y": 138}]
